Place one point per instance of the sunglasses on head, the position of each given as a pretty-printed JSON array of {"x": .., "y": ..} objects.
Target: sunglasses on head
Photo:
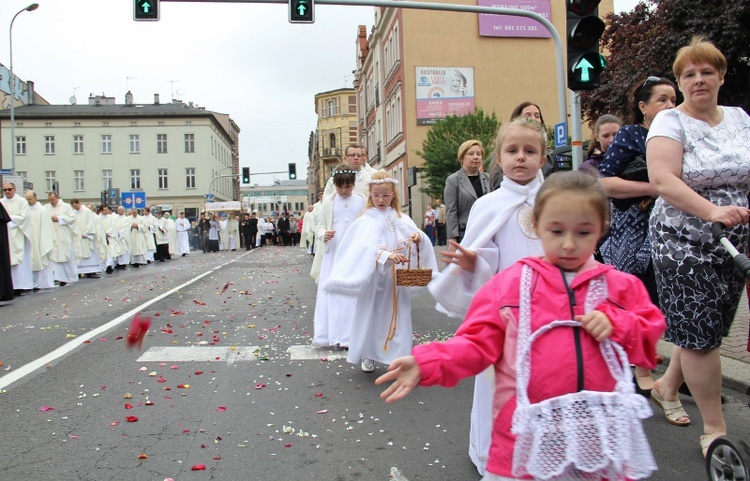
[{"x": 652, "y": 78}]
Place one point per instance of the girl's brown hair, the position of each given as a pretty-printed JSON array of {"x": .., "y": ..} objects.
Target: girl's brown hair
[
  {"x": 343, "y": 175},
  {"x": 573, "y": 182}
]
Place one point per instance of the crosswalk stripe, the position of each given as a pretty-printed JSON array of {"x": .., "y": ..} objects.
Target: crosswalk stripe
[{"x": 200, "y": 354}]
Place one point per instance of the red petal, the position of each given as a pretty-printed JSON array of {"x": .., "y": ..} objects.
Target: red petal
[
  {"x": 221, "y": 408},
  {"x": 198, "y": 467},
  {"x": 47, "y": 408},
  {"x": 288, "y": 445},
  {"x": 128, "y": 406},
  {"x": 131, "y": 419}
]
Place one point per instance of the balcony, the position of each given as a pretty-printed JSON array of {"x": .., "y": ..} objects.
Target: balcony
[{"x": 331, "y": 152}]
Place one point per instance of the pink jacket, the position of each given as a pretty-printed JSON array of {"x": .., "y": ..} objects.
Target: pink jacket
[{"x": 564, "y": 360}]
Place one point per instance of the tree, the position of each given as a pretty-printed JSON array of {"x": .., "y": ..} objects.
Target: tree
[
  {"x": 440, "y": 147},
  {"x": 644, "y": 42}
]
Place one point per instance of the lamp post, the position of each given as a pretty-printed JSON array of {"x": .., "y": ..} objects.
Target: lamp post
[{"x": 30, "y": 8}]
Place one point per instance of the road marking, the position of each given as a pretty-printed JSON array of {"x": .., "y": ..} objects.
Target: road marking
[
  {"x": 308, "y": 352},
  {"x": 199, "y": 354},
  {"x": 66, "y": 348}
]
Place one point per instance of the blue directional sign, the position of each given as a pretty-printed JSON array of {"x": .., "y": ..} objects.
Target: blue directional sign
[
  {"x": 5, "y": 171},
  {"x": 132, "y": 200},
  {"x": 209, "y": 197}
]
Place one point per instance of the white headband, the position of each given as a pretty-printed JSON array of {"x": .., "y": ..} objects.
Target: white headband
[{"x": 382, "y": 181}]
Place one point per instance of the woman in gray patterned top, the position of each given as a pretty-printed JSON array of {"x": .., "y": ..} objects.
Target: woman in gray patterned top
[{"x": 698, "y": 162}]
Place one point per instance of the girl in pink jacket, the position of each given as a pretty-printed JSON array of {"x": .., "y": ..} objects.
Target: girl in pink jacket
[{"x": 560, "y": 332}]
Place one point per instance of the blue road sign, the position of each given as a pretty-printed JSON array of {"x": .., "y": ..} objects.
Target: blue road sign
[
  {"x": 132, "y": 200},
  {"x": 4, "y": 171},
  {"x": 561, "y": 134},
  {"x": 209, "y": 197}
]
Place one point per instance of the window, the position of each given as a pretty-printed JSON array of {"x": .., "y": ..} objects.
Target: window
[
  {"x": 106, "y": 144},
  {"x": 106, "y": 179},
  {"x": 21, "y": 174},
  {"x": 189, "y": 144},
  {"x": 163, "y": 180},
  {"x": 78, "y": 180},
  {"x": 78, "y": 144},
  {"x": 49, "y": 177},
  {"x": 135, "y": 178},
  {"x": 49, "y": 144},
  {"x": 190, "y": 178},
  {"x": 331, "y": 108},
  {"x": 161, "y": 143},
  {"x": 21, "y": 145},
  {"x": 135, "y": 144}
]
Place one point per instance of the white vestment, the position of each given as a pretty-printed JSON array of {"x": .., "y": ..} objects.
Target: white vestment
[
  {"x": 183, "y": 235},
  {"x": 42, "y": 243},
  {"x": 233, "y": 233},
  {"x": 122, "y": 227},
  {"x": 382, "y": 328},
  {"x": 223, "y": 235},
  {"x": 138, "y": 244},
  {"x": 172, "y": 234},
  {"x": 63, "y": 255},
  {"x": 150, "y": 222},
  {"x": 85, "y": 227},
  {"x": 333, "y": 312},
  {"x": 19, "y": 239},
  {"x": 308, "y": 231},
  {"x": 499, "y": 229}
]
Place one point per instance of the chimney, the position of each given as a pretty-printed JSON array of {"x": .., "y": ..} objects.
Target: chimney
[
  {"x": 156, "y": 99},
  {"x": 30, "y": 89},
  {"x": 129, "y": 98}
]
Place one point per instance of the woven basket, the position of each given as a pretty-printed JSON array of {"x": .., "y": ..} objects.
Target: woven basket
[{"x": 413, "y": 277}]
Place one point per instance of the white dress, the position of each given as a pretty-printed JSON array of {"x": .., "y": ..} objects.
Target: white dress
[
  {"x": 501, "y": 237},
  {"x": 333, "y": 312},
  {"x": 382, "y": 329}
]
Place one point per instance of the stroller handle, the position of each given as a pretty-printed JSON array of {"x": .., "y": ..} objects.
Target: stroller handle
[{"x": 741, "y": 262}]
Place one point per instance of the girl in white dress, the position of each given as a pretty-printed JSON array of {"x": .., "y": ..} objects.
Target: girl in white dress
[
  {"x": 498, "y": 234},
  {"x": 333, "y": 312},
  {"x": 364, "y": 267}
]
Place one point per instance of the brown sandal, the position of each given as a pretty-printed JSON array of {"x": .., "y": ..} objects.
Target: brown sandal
[{"x": 673, "y": 410}]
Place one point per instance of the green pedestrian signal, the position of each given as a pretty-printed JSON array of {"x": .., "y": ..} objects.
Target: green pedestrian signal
[
  {"x": 246, "y": 175},
  {"x": 146, "y": 10},
  {"x": 584, "y": 30},
  {"x": 292, "y": 171},
  {"x": 301, "y": 11}
]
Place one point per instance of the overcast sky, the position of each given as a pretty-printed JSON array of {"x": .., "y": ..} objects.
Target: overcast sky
[{"x": 242, "y": 59}]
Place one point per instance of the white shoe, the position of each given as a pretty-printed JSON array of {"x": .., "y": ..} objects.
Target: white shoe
[{"x": 367, "y": 365}]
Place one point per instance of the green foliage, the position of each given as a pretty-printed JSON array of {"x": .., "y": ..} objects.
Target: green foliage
[
  {"x": 440, "y": 147},
  {"x": 644, "y": 42}
]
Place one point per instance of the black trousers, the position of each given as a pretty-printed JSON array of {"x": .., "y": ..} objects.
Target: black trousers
[{"x": 162, "y": 253}]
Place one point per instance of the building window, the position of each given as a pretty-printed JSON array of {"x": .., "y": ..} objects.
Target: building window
[
  {"x": 78, "y": 180},
  {"x": 21, "y": 145},
  {"x": 78, "y": 144},
  {"x": 49, "y": 177},
  {"x": 106, "y": 144},
  {"x": 106, "y": 179},
  {"x": 135, "y": 144},
  {"x": 21, "y": 174},
  {"x": 331, "y": 108},
  {"x": 190, "y": 178},
  {"x": 189, "y": 143},
  {"x": 49, "y": 144},
  {"x": 135, "y": 178},
  {"x": 161, "y": 143},
  {"x": 163, "y": 180}
]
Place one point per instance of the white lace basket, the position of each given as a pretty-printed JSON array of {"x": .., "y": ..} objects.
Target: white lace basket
[{"x": 587, "y": 435}]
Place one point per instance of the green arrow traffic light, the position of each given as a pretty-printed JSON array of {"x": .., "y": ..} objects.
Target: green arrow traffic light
[
  {"x": 584, "y": 31},
  {"x": 302, "y": 11},
  {"x": 146, "y": 10}
]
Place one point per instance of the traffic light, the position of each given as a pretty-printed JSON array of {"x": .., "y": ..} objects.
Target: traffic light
[
  {"x": 246, "y": 175},
  {"x": 585, "y": 28},
  {"x": 301, "y": 11},
  {"x": 292, "y": 171},
  {"x": 146, "y": 10}
]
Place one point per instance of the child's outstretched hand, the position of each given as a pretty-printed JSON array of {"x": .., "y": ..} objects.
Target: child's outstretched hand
[
  {"x": 405, "y": 374},
  {"x": 597, "y": 324},
  {"x": 465, "y": 259}
]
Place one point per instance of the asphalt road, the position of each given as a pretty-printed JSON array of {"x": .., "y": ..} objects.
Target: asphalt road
[{"x": 225, "y": 379}]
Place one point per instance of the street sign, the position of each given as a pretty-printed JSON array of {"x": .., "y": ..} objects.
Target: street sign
[
  {"x": 5, "y": 171},
  {"x": 561, "y": 134},
  {"x": 209, "y": 197},
  {"x": 146, "y": 10},
  {"x": 301, "y": 11},
  {"x": 135, "y": 200}
]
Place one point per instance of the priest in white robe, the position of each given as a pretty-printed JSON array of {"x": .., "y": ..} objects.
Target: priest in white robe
[
  {"x": 171, "y": 233},
  {"x": 223, "y": 234},
  {"x": 183, "y": 235},
  {"x": 63, "y": 256},
  {"x": 150, "y": 222},
  {"x": 100, "y": 240},
  {"x": 233, "y": 232},
  {"x": 138, "y": 245},
  {"x": 89, "y": 263},
  {"x": 19, "y": 238},
  {"x": 42, "y": 243},
  {"x": 112, "y": 243},
  {"x": 123, "y": 224}
]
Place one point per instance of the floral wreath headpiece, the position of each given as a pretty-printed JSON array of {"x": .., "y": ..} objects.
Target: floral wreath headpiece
[
  {"x": 382, "y": 181},
  {"x": 339, "y": 172}
]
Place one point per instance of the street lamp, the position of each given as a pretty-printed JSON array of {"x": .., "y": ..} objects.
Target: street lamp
[{"x": 30, "y": 8}]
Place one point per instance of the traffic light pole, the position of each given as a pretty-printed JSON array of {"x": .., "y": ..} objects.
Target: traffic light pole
[
  {"x": 559, "y": 54},
  {"x": 576, "y": 134}
]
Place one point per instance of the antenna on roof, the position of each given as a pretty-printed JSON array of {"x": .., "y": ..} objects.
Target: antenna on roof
[{"x": 72, "y": 98}]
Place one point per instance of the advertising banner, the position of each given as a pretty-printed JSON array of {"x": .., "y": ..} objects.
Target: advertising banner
[
  {"x": 443, "y": 91},
  {"x": 512, "y": 26}
]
